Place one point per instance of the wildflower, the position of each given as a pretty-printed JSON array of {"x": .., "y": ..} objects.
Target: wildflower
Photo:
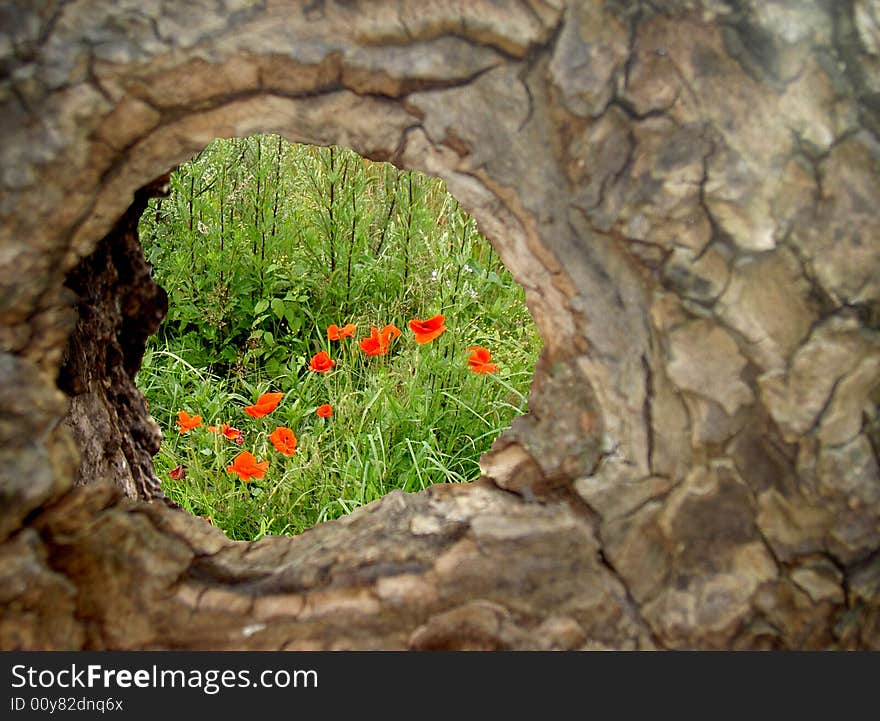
[
  {"x": 265, "y": 404},
  {"x": 334, "y": 332},
  {"x": 479, "y": 360},
  {"x": 187, "y": 422},
  {"x": 177, "y": 473},
  {"x": 247, "y": 466},
  {"x": 283, "y": 440},
  {"x": 427, "y": 330},
  {"x": 233, "y": 434},
  {"x": 321, "y": 363},
  {"x": 377, "y": 343},
  {"x": 227, "y": 431},
  {"x": 324, "y": 411}
]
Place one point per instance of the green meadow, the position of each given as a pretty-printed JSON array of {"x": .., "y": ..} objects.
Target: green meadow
[{"x": 263, "y": 245}]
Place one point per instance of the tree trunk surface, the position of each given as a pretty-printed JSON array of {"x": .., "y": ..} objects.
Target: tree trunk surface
[{"x": 688, "y": 192}]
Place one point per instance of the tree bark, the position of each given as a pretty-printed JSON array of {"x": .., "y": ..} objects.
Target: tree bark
[
  {"x": 686, "y": 190},
  {"x": 118, "y": 308}
]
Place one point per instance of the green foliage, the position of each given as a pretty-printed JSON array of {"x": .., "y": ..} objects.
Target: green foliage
[{"x": 261, "y": 245}]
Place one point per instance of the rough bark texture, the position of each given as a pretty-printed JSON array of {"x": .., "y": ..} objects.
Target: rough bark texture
[
  {"x": 118, "y": 308},
  {"x": 688, "y": 192}
]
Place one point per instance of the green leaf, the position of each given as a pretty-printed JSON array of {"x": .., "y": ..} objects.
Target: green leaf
[
  {"x": 278, "y": 308},
  {"x": 261, "y": 306},
  {"x": 294, "y": 322}
]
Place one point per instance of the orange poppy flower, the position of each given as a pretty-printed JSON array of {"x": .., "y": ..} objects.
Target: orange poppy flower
[
  {"x": 177, "y": 473},
  {"x": 228, "y": 431},
  {"x": 479, "y": 360},
  {"x": 324, "y": 411},
  {"x": 247, "y": 467},
  {"x": 379, "y": 340},
  {"x": 265, "y": 404},
  {"x": 321, "y": 363},
  {"x": 427, "y": 330},
  {"x": 334, "y": 332},
  {"x": 187, "y": 422},
  {"x": 283, "y": 440}
]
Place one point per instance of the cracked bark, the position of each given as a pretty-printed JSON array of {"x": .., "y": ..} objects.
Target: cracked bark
[{"x": 662, "y": 187}]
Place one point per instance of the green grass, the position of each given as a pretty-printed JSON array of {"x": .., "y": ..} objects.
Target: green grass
[{"x": 262, "y": 245}]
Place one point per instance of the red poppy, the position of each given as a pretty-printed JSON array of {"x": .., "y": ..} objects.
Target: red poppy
[
  {"x": 321, "y": 363},
  {"x": 247, "y": 467},
  {"x": 265, "y": 404},
  {"x": 229, "y": 432},
  {"x": 427, "y": 330},
  {"x": 233, "y": 434},
  {"x": 187, "y": 422},
  {"x": 177, "y": 472},
  {"x": 377, "y": 343},
  {"x": 283, "y": 440},
  {"x": 334, "y": 332},
  {"x": 324, "y": 411},
  {"x": 479, "y": 360}
]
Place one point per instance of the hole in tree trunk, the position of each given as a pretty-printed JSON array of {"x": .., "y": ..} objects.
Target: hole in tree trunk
[
  {"x": 692, "y": 217},
  {"x": 263, "y": 246}
]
